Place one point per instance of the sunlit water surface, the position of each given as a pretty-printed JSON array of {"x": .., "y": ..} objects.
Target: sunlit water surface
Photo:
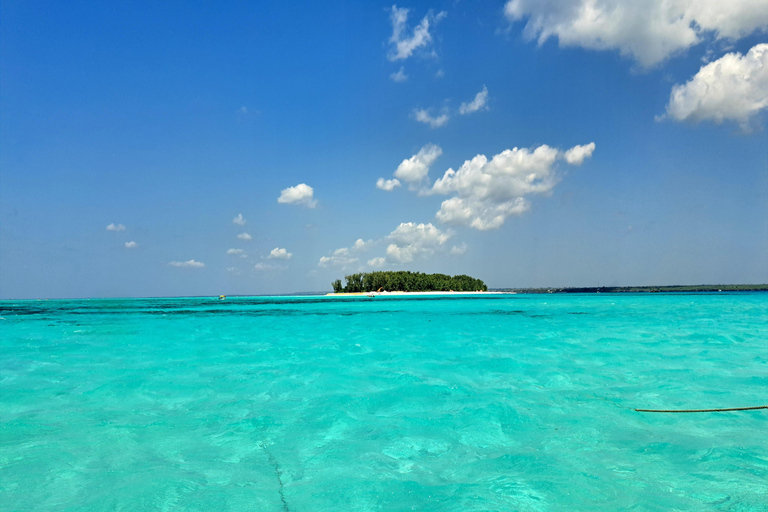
[{"x": 518, "y": 402}]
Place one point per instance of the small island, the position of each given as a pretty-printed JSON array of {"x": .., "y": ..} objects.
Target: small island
[{"x": 405, "y": 281}]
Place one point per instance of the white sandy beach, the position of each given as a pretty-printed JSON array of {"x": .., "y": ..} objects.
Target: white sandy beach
[{"x": 412, "y": 294}]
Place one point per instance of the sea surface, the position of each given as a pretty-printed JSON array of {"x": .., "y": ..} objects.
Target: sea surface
[{"x": 496, "y": 403}]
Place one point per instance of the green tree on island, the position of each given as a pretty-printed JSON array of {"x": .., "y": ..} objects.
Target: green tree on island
[{"x": 405, "y": 281}]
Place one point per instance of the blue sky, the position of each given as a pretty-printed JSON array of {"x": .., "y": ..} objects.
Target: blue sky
[{"x": 631, "y": 144}]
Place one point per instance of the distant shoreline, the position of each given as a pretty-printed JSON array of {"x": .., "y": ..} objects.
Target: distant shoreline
[{"x": 645, "y": 289}]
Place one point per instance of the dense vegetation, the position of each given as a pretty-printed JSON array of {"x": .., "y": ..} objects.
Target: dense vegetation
[
  {"x": 404, "y": 281},
  {"x": 647, "y": 289}
]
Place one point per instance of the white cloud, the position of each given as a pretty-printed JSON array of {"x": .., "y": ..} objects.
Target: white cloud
[
  {"x": 488, "y": 192},
  {"x": 411, "y": 241},
  {"x": 413, "y": 170},
  {"x": 734, "y": 87},
  {"x": 733, "y": 19},
  {"x": 377, "y": 262},
  {"x": 399, "y": 76},
  {"x": 189, "y": 264},
  {"x": 237, "y": 252},
  {"x": 239, "y": 220},
  {"x": 648, "y": 31},
  {"x": 481, "y": 215},
  {"x": 341, "y": 260},
  {"x": 407, "y": 243},
  {"x": 479, "y": 103},
  {"x": 244, "y": 236},
  {"x": 410, "y": 233},
  {"x": 362, "y": 245},
  {"x": 346, "y": 256},
  {"x": 131, "y": 245},
  {"x": 458, "y": 250},
  {"x": 115, "y": 227},
  {"x": 577, "y": 154},
  {"x": 423, "y": 116},
  {"x": 387, "y": 185},
  {"x": 440, "y": 73},
  {"x": 300, "y": 194},
  {"x": 403, "y": 46},
  {"x": 234, "y": 270},
  {"x": 279, "y": 254}
]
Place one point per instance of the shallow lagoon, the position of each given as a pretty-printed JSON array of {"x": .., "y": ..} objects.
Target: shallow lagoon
[{"x": 519, "y": 402}]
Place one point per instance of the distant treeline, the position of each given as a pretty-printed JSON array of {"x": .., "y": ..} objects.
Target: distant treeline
[
  {"x": 404, "y": 281},
  {"x": 646, "y": 289}
]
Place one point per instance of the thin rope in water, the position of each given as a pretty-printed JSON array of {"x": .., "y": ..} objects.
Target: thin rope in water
[
  {"x": 705, "y": 410},
  {"x": 278, "y": 472}
]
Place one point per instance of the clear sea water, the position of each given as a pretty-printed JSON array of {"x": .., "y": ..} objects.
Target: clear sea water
[{"x": 501, "y": 403}]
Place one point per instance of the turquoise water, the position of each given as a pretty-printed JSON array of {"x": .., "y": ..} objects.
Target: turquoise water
[{"x": 519, "y": 402}]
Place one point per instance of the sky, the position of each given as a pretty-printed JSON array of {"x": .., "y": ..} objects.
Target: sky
[{"x": 248, "y": 148}]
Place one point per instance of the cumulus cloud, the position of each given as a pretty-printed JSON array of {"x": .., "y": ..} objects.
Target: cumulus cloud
[
  {"x": 244, "y": 236},
  {"x": 648, "y": 32},
  {"x": 300, "y": 194},
  {"x": 188, "y": 264},
  {"x": 577, "y": 154},
  {"x": 115, "y": 227},
  {"x": 479, "y": 103},
  {"x": 734, "y": 87},
  {"x": 279, "y": 254},
  {"x": 362, "y": 245},
  {"x": 337, "y": 260},
  {"x": 237, "y": 252},
  {"x": 403, "y": 46},
  {"x": 387, "y": 185},
  {"x": 377, "y": 262},
  {"x": 458, "y": 250},
  {"x": 399, "y": 76},
  {"x": 411, "y": 241},
  {"x": 488, "y": 192},
  {"x": 733, "y": 19},
  {"x": 239, "y": 220},
  {"x": 424, "y": 116},
  {"x": 413, "y": 170},
  {"x": 346, "y": 256},
  {"x": 131, "y": 245},
  {"x": 407, "y": 243},
  {"x": 478, "y": 214}
]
